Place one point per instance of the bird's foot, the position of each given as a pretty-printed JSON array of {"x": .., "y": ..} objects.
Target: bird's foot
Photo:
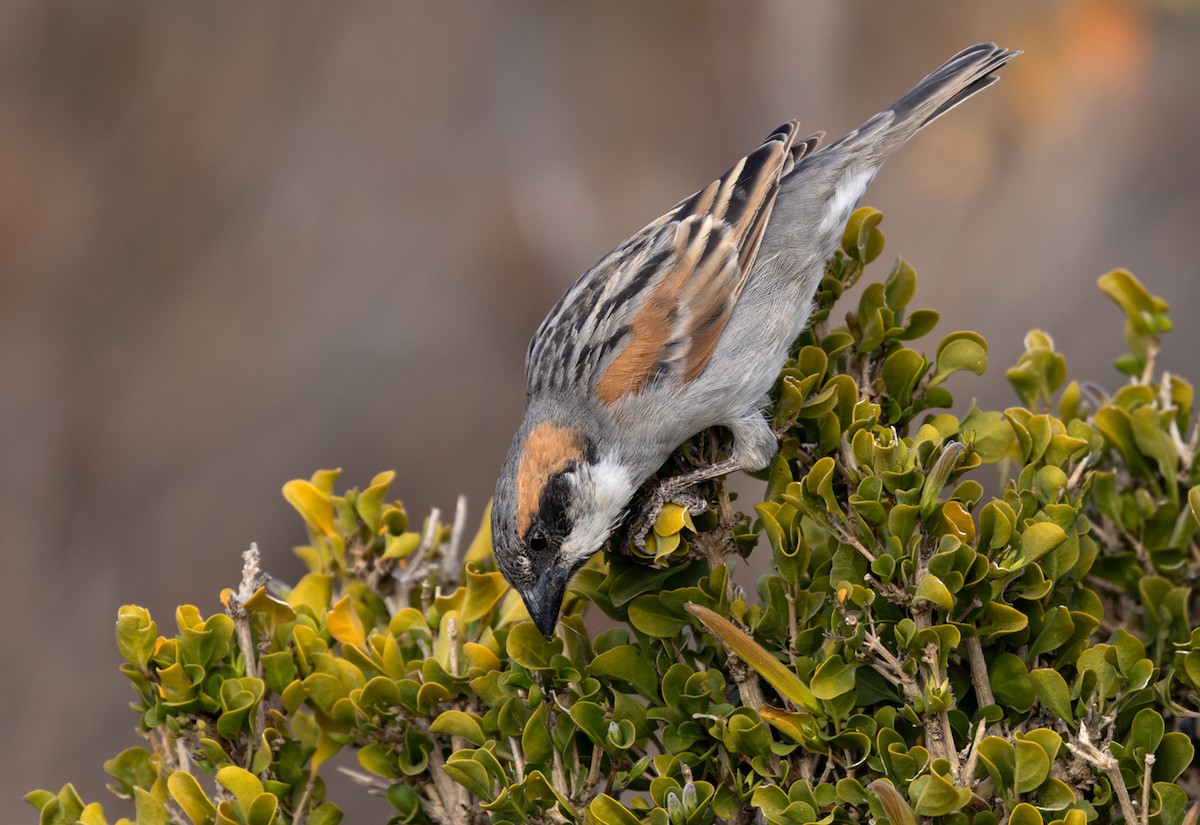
[{"x": 676, "y": 490}]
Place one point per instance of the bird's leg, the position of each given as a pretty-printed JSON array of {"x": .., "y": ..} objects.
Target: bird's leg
[{"x": 676, "y": 490}]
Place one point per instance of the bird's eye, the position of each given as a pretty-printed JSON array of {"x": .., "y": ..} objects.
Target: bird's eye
[{"x": 537, "y": 541}]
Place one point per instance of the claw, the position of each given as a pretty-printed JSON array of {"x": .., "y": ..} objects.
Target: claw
[
  {"x": 676, "y": 491},
  {"x": 666, "y": 492}
]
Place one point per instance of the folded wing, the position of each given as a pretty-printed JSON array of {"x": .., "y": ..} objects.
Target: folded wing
[{"x": 651, "y": 312}]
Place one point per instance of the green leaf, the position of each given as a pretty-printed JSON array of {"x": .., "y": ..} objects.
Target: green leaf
[
  {"x": 263, "y": 602},
  {"x": 931, "y": 589},
  {"x": 529, "y": 648},
  {"x": 1000, "y": 619},
  {"x": 1032, "y": 766},
  {"x": 535, "y": 739},
  {"x": 379, "y": 760},
  {"x": 1145, "y": 314},
  {"x": 989, "y": 434},
  {"x": 150, "y": 811},
  {"x": 369, "y": 503},
  {"x": 136, "y": 634},
  {"x": 239, "y": 697},
  {"x": 1025, "y": 814},
  {"x": 1173, "y": 756},
  {"x": 934, "y": 795},
  {"x": 628, "y": 664},
  {"x": 244, "y": 785},
  {"x": 862, "y": 240},
  {"x": 1039, "y": 539},
  {"x": 649, "y": 615},
  {"x": 459, "y": 723},
  {"x": 833, "y": 678},
  {"x": 470, "y": 774},
  {"x": 400, "y": 546},
  {"x": 901, "y": 285},
  {"x": 1052, "y": 691},
  {"x": 959, "y": 352},
  {"x": 1011, "y": 683},
  {"x": 901, "y": 371},
  {"x": 1057, "y": 627},
  {"x": 262, "y": 809},
  {"x": 132, "y": 768},
  {"x": 604, "y": 810},
  {"x": 1194, "y": 503},
  {"x": 325, "y": 814}
]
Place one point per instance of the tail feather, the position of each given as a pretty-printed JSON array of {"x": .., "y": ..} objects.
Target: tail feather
[
  {"x": 968, "y": 72},
  {"x": 825, "y": 185},
  {"x": 950, "y": 84}
]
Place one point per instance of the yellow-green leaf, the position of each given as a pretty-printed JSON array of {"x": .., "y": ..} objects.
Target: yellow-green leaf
[
  {"x": 344, "y": 623},
  {"x": 136, "y": 634},
  {"x": 244, "y": 785},
  {"x": 604, "y": 810},
  {"x": 754, "y": 655},
  {"x": 484, "y": 590},
  {"x": 262, "y": 602},
  {"x": 313, "y": 505}
]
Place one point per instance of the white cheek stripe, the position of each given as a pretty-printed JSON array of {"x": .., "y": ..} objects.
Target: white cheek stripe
[{"x": 611, "y": 487}]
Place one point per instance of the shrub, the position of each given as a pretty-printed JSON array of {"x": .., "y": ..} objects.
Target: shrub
[{"x": 919, "y": 651}]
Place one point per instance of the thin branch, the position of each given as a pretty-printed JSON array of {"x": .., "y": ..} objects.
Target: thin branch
[
  {"x": 592, "y": 780},
  {"x": 979, "y": 674},
  {"x": 453, "y": 798},
  {"x": 973, "y": 755},
  {"x": 1146, "y": 782},
  {"x": 252, "y": 579},
  {"x": 518, "y": 758},
  {"x": 302, "y": 805},
  {"x": 1104, "y": 762}
]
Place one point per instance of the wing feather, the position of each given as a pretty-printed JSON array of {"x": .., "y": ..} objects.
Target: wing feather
[{"x": 651, "y": 312}]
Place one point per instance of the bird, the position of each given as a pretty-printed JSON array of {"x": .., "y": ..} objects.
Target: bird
[{"x": 684, "y": 327}]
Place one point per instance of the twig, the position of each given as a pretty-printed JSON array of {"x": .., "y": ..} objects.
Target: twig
[
  {"x": 937, "y": 727},
  {"x": 746, "y": 680},
  {"x": 302, "y": 805},
  {"x": 1106, "y": 764},
  {"x": 448, "y": 563},
  {"x": 414, "y": 568},
  {"x": 1146, "y": 789},
  {"x": 973, "y": 756},
  {"x": 1152, "y": 349},
  {"x": 452, "y": 796},
  {"x": 252, "y": 579},
  {"x": 518, "y": 758},
  {"x": 793, "y": 625},
  {"x": 592, "y": 780},
  {"x": 845, "y": 537},
  {"x": 979, "y": 674},
  {"x": 558, "y": 775},
  {"x": 889, "y": 666}
]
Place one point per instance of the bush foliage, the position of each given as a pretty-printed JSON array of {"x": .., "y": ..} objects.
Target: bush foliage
[{"x": 920, "y": 650}]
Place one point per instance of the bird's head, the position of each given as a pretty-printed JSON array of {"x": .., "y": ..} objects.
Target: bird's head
[{"x": 558, "y": 499}]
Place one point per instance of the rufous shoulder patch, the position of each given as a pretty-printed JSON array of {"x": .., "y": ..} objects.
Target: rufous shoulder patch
[{"x": 548, "y": 449}]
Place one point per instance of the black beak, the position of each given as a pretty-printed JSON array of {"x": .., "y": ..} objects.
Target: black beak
[{"x": 544, "y": 599}]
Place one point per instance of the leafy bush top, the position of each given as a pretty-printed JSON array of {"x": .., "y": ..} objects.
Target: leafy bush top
[{"x": 921, "y": 650}]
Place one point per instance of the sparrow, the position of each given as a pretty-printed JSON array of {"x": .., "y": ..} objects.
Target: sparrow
[{"x": 684, "y": 327}]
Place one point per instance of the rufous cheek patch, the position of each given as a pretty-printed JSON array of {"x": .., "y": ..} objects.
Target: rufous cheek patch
[{"x": 548, "y": 449}]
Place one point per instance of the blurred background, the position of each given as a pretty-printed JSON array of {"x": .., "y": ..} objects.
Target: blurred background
[{"x": 241, "y": 242}]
